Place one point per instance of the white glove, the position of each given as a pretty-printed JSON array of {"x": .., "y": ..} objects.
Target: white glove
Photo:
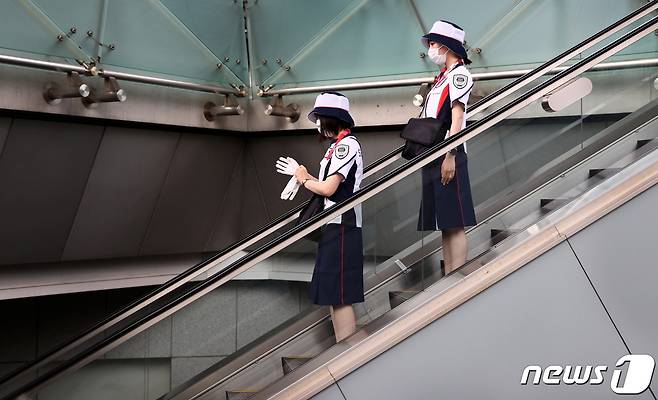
[
  {"x": 286, "y": 165},
  {"x": 290, "y": 190}
]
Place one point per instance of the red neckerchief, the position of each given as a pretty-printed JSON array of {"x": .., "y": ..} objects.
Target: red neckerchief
[
  {"x": 338, "y": 139},
  {"x": 442, "y": 74}
]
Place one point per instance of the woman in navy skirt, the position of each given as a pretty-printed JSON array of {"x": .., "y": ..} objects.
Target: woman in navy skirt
[
  {"x": 446, "y": 203},
  {"x": 338, "y": 275}
]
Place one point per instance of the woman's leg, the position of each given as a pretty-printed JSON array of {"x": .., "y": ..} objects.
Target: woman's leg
[
  {"x": 447, "y": 250},
  {"x": 454, "y": 241},
  {"x": 344, "y": 320}
]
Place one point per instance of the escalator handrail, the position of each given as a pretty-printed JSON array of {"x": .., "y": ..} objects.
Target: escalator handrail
[
  {"x": 289, "y": 216},
  {"x": 379, "y": 185}
]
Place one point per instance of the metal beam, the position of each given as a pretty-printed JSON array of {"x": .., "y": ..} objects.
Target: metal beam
[
  {"x": 483, "y": 76},
  {"x": 320, "y": 37},
  {"x": 501, "y": 24},
  {"x": 61, "y": 67},
  {"x": 187, "y": 32},
  {"x": 57, "y": 32}
]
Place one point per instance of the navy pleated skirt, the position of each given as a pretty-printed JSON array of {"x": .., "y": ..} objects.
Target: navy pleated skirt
[
  {"x": 446, "y": 206},
  {"x": 338, "y": 274}
]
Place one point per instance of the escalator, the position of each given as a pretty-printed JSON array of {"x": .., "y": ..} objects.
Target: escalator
[
  {"x": 556, "y": 293},
  {"x": 405, "y": 264},
  {"x": 404, "y": 277}
]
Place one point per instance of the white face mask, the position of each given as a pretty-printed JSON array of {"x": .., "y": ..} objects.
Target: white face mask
[
  {"x": 319, "y": 126},
  {"x": 433, "y": 54}
]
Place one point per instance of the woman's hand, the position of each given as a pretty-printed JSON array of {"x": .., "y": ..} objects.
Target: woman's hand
[
  {"x": 302, "y": 174},
  {"x": 448, "y": 169}
]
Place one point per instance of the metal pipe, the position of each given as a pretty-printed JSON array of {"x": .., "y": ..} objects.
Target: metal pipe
[
  {"x": 249, "y": 46},
  {"x": 482, "y": 76},
  {"x": 279, "y": 109},
  {"x": 47, "y": 65},
  {"x": 61, "y": 67},
  {"x": 199, "y": 87},
  {"x": 113, "y": 93},
  {"x": 54, "y": 93},
  {"x": 101, "y": 31},
  {"x": 211, "y": 110}
]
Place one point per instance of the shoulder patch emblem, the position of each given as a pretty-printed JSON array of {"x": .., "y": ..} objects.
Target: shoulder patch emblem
[
  {"x": 459, "y": 81},
  {"x": 341, "y": 151}
]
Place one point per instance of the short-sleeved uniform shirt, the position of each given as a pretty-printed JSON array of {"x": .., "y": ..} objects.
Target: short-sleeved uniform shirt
[
  {"x": 455, "y": 84},
  {"x": 345, "y": 159}
]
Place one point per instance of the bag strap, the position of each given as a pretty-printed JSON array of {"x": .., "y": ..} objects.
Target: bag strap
[{"x": 437, "y": 79}]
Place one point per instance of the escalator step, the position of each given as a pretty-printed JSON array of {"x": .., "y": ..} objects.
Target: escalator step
[
  {"x": 398, "y": 297},
  {"x": 603, "y": 172},
  {"x": 552, "y": 204},
  {"x": 240, "y": 394},
  {"x": 641, "y": 143},
  {"x": 290, "y": 364},
  {"x": 498, "y": 235}
]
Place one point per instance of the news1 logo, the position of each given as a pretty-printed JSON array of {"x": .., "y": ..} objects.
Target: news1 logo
[{"x": 638, "y": 375}]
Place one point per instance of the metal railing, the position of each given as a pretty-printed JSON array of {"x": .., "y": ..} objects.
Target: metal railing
[
  {"x": 482, "y": 76},
  {"x": 238, "y": 247},
  {"x": 91, "y": 71},
  {"x": 229, "y": 272}
]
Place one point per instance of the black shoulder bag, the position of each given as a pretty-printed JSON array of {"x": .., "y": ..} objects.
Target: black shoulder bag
[
  {"x": 421, "y": 134},
  {"x": 314, "y": 207}
]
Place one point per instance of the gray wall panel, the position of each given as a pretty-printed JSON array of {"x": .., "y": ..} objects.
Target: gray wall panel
[
  {"x": 530, "y": 144},
  {"x": 184, "y": 368},
  {"x": 226, "y": 229},
  {"x": 120, "y": 197},
  {"x": 254, "y": 212},
  {"x": 201, "y": 206},
  {"x": 514, "y": 151},
  {"x": 113, "y": 379},
  {"x": 377, "y": 144},
  {"x": 264, "y": 305},
  {"x": 330, "y": 393},
  {"x": 43, "y": 172},
  {"x": 198, "y": 335},
  {"x": 546, "y": 313},
  {"x": 194, "y": 191},
  {"x": 486, "y": 165},
  {"x": 620, "y": 256},
  {"x": 5, "y": 123},
  {"x": 206, "y": 327},
  {"x": 263, "y": 153}
]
